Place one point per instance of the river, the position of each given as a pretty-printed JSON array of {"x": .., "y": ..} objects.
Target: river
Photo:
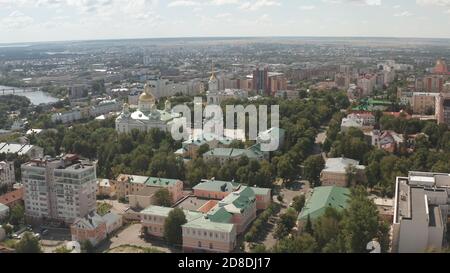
[{"x": 36, "y": 98}]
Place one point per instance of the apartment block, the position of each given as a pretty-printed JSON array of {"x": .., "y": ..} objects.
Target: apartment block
[
  {"x": 7, "y": 176},
  {"x": 59, "y": 189}
]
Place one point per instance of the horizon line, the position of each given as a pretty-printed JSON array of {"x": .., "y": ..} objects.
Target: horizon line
[{"x": 219, "y": 37}]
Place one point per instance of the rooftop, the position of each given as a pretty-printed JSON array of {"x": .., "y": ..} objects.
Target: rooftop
[
  {"x": 322, "y": 198},
  {"x": 340, "y": 164}
]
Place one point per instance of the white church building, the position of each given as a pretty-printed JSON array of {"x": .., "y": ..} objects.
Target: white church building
[{"x": 147, "y": 116}]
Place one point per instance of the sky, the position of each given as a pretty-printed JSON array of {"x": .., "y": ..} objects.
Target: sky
[{"x": 60, "y": 20}]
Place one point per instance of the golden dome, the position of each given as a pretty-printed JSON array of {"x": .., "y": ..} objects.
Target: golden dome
[{"x": 147, "y": 95}]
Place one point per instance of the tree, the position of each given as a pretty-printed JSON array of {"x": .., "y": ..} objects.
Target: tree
[
  {"x": 304, "y": 243},
  {"x": 351, "y": 173},
  {"x": 17, "y": 215},
  {"x": 62, "y": 249},
  {"x": 308, "y": 226},
  {"x": 203, "y": 149},
  {"x": 286, "y": 167},
  {"x": 285, "y": 224},
  {"x": 260, "y": 248},
  {"x": 299, "y": 202},
  {"x": 163, "y": 198},
  {"x": 172, "y": 226},
  {"x": 28, "y": 244},
  {"x": 313, "y": 166},
  {"x": 87, "y": 247},
  {"x": 360, "y": 222}
]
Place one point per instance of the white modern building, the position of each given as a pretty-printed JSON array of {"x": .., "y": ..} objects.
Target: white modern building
[
  {"x": 420, "y": 212},
  {"x": 60, "y": 189}
]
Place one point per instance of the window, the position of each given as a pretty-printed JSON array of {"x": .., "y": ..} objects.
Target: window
[{"x": 199, "y": 244}]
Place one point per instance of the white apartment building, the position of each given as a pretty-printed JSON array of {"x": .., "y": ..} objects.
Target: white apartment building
[
  {"x": 105, "y": 107},
  {"x": 420, "y": 212},
  {"x": 60, "y": 189},
  {"x": 7, "y": 176},
  {"x": 67, "y": 117}
]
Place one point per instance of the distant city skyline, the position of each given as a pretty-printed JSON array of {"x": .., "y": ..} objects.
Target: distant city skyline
[{"x": 61, "y": 20}]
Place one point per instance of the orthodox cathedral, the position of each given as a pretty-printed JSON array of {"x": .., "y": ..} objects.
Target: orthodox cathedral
[{"x": 147, "y": 116}]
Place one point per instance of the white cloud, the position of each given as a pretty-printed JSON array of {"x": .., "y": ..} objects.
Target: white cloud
[
  {"x": 403, "y": 14},
  {"x": 257, "y": 4},
  {"x": 310, "y": 7},
  {"x": 16, "y": 20}
]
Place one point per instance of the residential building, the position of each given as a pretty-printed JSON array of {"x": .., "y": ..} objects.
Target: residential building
[
  {"x": 362, "y": 121},
  {"x": 60, "y": 189},
  {"x": 321, "y": 199},
  {"x": 388, "y": 140},
  {"x": 342, "y": 80},
  {"x": 424, "y": 103},
  {"x": 31, "y": 151},
  {"x": 267, "y": 83},
  {"x": 430, "y": 84},
  {"x": 443, "y": 109},
  {"x": 78, "y": 91},
  {"x": 105, "y": 107},
  {"x": 7, "y": 175},
  {"x": 95, "y": 228},
  {"x": 140, "y": 190},
  {"x": 68, "y": 116},
  {"x": 441, "y": 67},
  {"x": 287, "y": 94},
  {"x": 106, "y": 188},
  {"x": 421, "y": 212},
  {"x": 337, "y": 169},
  {"x": 367, "y": 83}
]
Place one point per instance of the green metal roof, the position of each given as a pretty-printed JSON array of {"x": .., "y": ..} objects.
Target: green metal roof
[
  {"x": 322, "y": 198},
  {"x": 160, "y": 182},
  {"x": 219, "y": 222},
  {"x": 241, "y": 199},
  {"x": 206, "y": 224},
  {"x": 137, "y": 179},
  {"x": 219, "y": 215},
  {"x": 217, "y": 186}
]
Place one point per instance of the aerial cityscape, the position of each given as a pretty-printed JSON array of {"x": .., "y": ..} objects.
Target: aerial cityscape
[{"x": 224, "y": 143}]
